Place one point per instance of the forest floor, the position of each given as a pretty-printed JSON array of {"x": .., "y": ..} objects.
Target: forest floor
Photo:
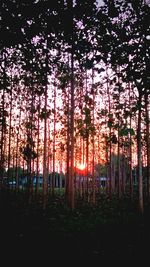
[{"x": 113, "y": 231}]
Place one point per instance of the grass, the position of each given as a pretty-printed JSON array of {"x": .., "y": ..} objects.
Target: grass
[{"x": 111, "y": 227}]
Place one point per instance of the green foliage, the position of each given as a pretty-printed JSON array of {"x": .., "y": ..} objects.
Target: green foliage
[
  {"x": 110, "y": 123},
  {"x": 84, "y": 133},
  {"x": 126, "y": 131},
  {"x": 104, "y": 112},
  {"x": 28, "y": 153},
  {"x": 80, "y": 123},
  {"x": 44, "y": 114},
  {"x": 88, "y": 64},
  {"x": 28, "y": 150},
  {"x": 59, "y": 220},
  {"x": 64, "y": 79},
  {"x": 113, "y": 139},
  {"x": 12, "y": 171},
  {"x": 28, "y": 125},
  {"x": 101, "y": 170}
]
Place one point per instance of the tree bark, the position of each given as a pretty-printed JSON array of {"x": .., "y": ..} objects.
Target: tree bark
[
  {"x": 147, "y": 144},
  {"x": 139, "y": 157}
]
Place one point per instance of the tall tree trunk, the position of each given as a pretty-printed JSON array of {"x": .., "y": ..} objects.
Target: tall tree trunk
[
  {"x": 31, "y": 142},
  {"x": 37, "y": 150},
  {"x": 71, "y": 147},
  {"x": 130, "y": 149},
  {"x": 119, "y": 168},
  {"x": 68, "y": 149},
  {"x": 109, "y": 177},
  {"x": 147, "y": 110},
  {"x": 3, "y": 130},
  {"x": 45, "y": 189},
  {"x": 17, "y": 153},
  {"x": 93, "y": 143},
  {"x": 86, "y": 184},
  {"x": 10, "y": 132},
  {"x": 54, "y": 144},
  {"x": 72, "y": 203},
  {"x": 139, "y": 156}
]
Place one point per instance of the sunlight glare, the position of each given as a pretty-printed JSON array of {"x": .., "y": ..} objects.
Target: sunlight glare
[{"x": 81, "y": 166}]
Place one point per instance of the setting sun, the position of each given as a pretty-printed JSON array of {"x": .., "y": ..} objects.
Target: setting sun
[{"x": 81, "y": 166}]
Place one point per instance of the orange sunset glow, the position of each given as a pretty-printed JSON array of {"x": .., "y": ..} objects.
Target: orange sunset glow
[{"x": 81, "y": 166}]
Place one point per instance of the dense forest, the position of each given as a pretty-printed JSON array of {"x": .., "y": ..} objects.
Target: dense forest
[{"x": 75, "y": 103}]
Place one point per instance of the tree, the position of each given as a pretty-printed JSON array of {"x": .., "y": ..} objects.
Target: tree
[{"x": 127, "y": 47}]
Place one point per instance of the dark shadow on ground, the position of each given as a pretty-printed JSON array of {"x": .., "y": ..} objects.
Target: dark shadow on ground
[{"x": 31, "y": 238}]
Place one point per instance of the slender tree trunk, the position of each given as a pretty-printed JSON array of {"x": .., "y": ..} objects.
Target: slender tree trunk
[
  {"x": 17, "y": 154},
  {"x": 72, "y": 203},
  {"x": 54, "y": 148},
  {"x": 93, "y": 143},
  {"x": 45, "y": 153},
  {"x": 109, "y": 178},
  {"x": 139, "y": 156},
  {"x": 3, "y": 129},
  {"x": 130, "y": 150},
  {"x": 10, "y": 132},
  {"x": 3, "y": 121},
  {"x": 37, "y": 150},
  {"x": 68, "y": 149},
  {"x": 118, "y": 168},
  {"x": 16, "y": 162},
  {"x": 49, "y": 155},
  {"x": 87, "y": 146},
  {"x": 147, "y": 143},
  {"x": 71, "y": 148}
]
